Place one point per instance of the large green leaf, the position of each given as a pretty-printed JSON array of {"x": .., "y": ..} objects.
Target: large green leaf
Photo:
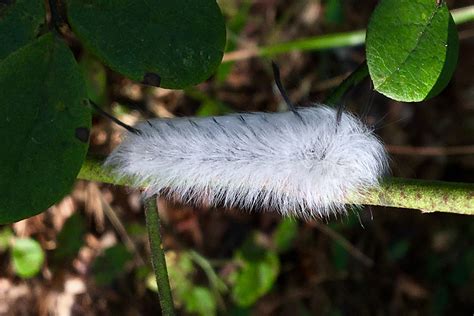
[
  {"x": 27, "y": 257},
  {"x": 412, "y": 48},
  {"x": 172, "y": 43},
  {"x": 44, "y": 127},
  {"x": 20, "y": 23}
]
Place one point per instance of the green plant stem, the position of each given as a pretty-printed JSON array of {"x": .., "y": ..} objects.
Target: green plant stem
[
  {"x": 427, "y": 196},
  {"x": 463, "y": 15},
  {"x": 316, "y": 43},
  {"x": 158, "y": 256},
  {"x": 354, "y": 78},
  {"x": 424, "y": 195},
  {"x": 328, "y": 41}
]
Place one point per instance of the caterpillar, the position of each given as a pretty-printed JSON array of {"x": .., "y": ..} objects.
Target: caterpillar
[{"x": 306, "y": 162}]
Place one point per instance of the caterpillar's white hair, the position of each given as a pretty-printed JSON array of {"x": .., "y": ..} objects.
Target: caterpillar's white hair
[{"x": 301, "y": 162}]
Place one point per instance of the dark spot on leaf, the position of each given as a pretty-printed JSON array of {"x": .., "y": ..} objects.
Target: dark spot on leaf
[
  {"x": 152, "y": 79},
  {"x": 82, "y": 133},
  {"x": 85, "y": 102}
]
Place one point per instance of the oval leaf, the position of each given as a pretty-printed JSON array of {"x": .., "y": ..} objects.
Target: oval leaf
[
  {"x": 168, "y": 43},
  {"x": 255, "y": 279},
  {"x": 44, "y": 127},
  {"x": 451, "y": 60},
  {"x": 27, "y": 257},
  {"x": 20, "y": 23},
  {"x": 411, "y": 48}
]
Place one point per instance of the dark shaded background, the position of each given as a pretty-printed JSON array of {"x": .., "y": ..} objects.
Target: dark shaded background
[{"x": 421, "y": 264}]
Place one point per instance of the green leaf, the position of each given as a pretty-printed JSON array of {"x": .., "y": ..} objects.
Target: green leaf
[
  {"x": 44, "y": 127},
  {"x": 6, "y": 235},
  {"x": 215, "y": 282},
  {"x": 181, "y": 41},
  {"x": 70, "y": 239},
  {"x": 20, "y": 23},
  {"x": 285, "y": 234},
  {"x": 95, "y": 77},
  {"x": 200, "y": 301},
  {"x": 195, "y": 299},
  {"x": 180, "y": 271},
  {"x": 110, "y": 265},
  {"x": 412, "y": 48},
  {"x": 451, "y": 60},
  {"x": 27, "y": 257},
  {"x": 255, "y": 278}
]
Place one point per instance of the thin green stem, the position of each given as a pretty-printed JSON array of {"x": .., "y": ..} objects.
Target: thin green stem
[
  {"x": 327, "y": 41},
  {"x": 316, "y": 43},
  {"x": 463, "y": 15},
  {"x": 93, "y": 170},
  {"x": 158, "y": 256},
  {"x": 353, "y": 79},
  {"x": 424, "y": 195}
]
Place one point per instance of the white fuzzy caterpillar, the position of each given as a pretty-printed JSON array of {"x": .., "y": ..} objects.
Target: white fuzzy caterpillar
[{"x": 303, "y": 162}]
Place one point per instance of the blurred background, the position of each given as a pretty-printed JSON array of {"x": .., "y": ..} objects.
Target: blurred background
[{"x": 88, "y": 255}]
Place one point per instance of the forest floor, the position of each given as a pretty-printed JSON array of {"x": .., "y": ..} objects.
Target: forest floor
[{"x": 374, "y": 261}]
